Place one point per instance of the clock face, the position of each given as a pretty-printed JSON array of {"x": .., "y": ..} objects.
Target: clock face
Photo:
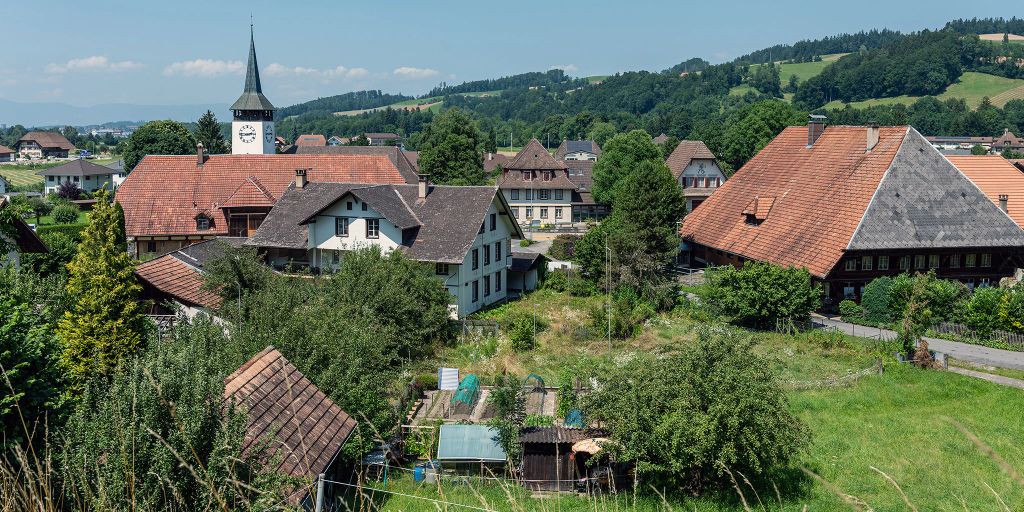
[
  {"x": 247, "y": 133},
  {"x": 268, "y": 134}
]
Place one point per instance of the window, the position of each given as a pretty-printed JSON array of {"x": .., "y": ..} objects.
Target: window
[
  {"x": 341, "y": 226},
  {"x": 482, "y": 226},
  {"x": 476, "y": 291},
  {"x": 851, "y": 264},
  {"x": 515, "y": 213},
  {"x": 969, "y": 261},
  {"x": 50, "y": 179},
  {"x": 76, "y": 179},
  {"x": 984, "y": 283},
  {"x": 497, "y": 281},
  {"x": 986, "y": 260},
  {"x": 487, "y": 286},
  {"x": 559, "y": 194},
  {"x": 348, "y": 205},
  {"x": 866, "y": 262},
  {"x": 904, "y": 262},
  {"x": 515, "y": 194},
  {"x": 529, "y": 194},
  {"x": 933, "y": 261},
  {"x": 476, "y": 259},
  {"x": 883, "y": 263},
  {"x": 335, "y": 257},
  {"x": 954, "y": 261},
  {"x": 497, "y": 252},
  {"x": 364, "y": 206},
  {"x": 558, "y": 213},
  {"x": 548, "y": 175},
  {"x": 441, "y": 269},
  {"x": 150, "y": 246},
  {"x": 202, "y": 223},
  {"x": 494, "y": 221},
  {"x": 543, "y": 194},
  {"x": 487, "y": 255},
  {"x": 529, "y": 212},
  {"x": 919, "y": 261},
  {"x": 527, "y": 176},
  {"x": 543, "y": 213},
  {"x": 372, "y": 228}
]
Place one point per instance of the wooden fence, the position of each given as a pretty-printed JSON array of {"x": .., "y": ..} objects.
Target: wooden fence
[{"x": 1014, "y": 340}]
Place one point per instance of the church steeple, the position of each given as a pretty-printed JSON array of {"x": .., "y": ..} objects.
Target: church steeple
[
  {"x": 252, "y": 73},
  {"x": 252, "y": 98},
  {"x": 253, "y": 125}
]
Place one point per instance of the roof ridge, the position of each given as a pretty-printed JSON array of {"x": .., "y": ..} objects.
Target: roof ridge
[
  {"x": 406, "y": 205},
  {"x": 867, "y": 207}
]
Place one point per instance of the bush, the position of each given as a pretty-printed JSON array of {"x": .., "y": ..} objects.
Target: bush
[
  {"x": 563, "y": 246},
  {"x": 762, "y": 294},
  {"x": 520, "y": 327},
  {"x": 684, "y": 418},
  {"x": 538, "y": 420},
  {"x": 525, "y": 242},
  {"x": 68, "y": 190},
  {"x": 72, "y": 231},
  {"x": 942, "y": 297},
  {"x": 850, "y": 310},
  {"x": 875, "y": 300},
  {"x": 562, "y": 280},
  {"x": 426, "y": 381},
  {"x": 66, "y": 213},
  {"x": 629, "y": 312}
]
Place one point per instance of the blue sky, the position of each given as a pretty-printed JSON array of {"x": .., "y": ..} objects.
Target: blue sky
[{"x": 193, "y": 52}]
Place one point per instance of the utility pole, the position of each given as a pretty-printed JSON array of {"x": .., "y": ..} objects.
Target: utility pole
[
  {"x": 320, "y": 493},
  {"x": 608, "y": 288}
]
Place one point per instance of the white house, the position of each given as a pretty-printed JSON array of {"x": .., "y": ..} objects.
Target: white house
[
  {"x": 695, "y": 169},
  {"x": 578, "y": 150},
  {"x": 464, "y": 232},
  {"x": 86, "y": 175},
  {"x": 537, "y": 186}
]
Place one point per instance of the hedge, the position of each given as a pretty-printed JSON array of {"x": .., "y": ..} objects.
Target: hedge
[{"x": 74, "y": 231}]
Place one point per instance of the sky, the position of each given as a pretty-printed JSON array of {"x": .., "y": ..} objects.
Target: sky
[{"x": 193, "y": 52}]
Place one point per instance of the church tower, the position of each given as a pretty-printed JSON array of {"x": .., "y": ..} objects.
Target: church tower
[{"x": 252, "y": 130}]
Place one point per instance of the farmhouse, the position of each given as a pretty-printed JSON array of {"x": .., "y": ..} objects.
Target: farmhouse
[
  {"x": 694, "y": 167},
  {"x": 176, "y": 278},
  {"x": 851, "y": 203},
  {"x": 1008, "y": 142},
  {"x": 312, "y": 139},
  {"x": 84, "y": 174},
  {"x": 492, "y": 161},
  {"x": 40, "y": 144},
  {"x": 537, "y": 186},
  {"x": 6, "y": 153},
  {"x": 25, "y": 241},
  {"x": 291, "y": 424},
  {"x": 465, "y": 232},
  {"x": 383, "y": 139}
]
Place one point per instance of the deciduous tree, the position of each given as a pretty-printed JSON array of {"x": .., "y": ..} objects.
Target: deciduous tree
[
  {"x": 451, "y": 150},
  {"x": 619, "y": 157},
  {"x": 158, "y": 138}
]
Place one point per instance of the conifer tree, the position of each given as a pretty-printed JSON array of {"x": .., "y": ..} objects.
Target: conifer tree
[
  {"x": 208, "y": 132},
  {"x": 105, "y": 323}
]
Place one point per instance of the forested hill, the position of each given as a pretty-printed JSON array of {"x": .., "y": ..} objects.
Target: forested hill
[
  {"x": 357, "y": 100},
  {"x": 554, "y": 77},
  {"x": 805, "y": 51}
]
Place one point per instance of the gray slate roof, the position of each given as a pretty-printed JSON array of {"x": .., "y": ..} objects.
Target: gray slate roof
[
  {"x": 924, "y": 201},
  {"x": 440, "y": 228},
  {"x": 252, "y": 97},
  {"x": 575, "y": 146},
  {"x": 79, "y": 167},
  {"x": 199, "y": 254}
]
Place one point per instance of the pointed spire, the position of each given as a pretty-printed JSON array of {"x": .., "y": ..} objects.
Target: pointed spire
[{"x": 252, "y": 97}]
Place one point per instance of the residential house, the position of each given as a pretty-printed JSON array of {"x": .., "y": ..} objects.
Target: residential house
[
  {"x": 414, "y": 158},
  {"x": 292, "y": 425},
  {"x": 852, "y": 203},
  {"x": 173, "y": 201},
  {"x": 660, "y": 139},
  {"x": 6, "y": 154},
  {"x": 25, "y": 241},
  {"x": 383, "y": 139},
  {"x": 578, "y": 150},
  {"x": 38, "y": 144},
  {"x": 1008, "y": 142},
  {"x": 694, "y": 167},
  {"x": 84, "y": 174},
  {"x": 537, "y": 186},
  {"x": 5, "y": 185},
  {"x": 953, "y": 144},
  {"x": 584, "y": 207},
  {"x": 402, "y": 160},
  {"x": 464, "y": 232},
  {"x": 279, "y": 144},
  {"x": 492, "y": 161},
  {"x": 1000, "y": 180},
  {"x": 120, "y": 173},
  {"x": 338, "y": 141},
  {"x": 311, "y": 139},
  {"x": 175, "y": 280}
]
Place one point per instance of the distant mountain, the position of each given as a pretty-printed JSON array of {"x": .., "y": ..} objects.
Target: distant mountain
[{"x": 60, "y": 114}]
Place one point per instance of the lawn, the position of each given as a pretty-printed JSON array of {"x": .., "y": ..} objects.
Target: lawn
[
  {"x": 47, "y": 220},
  {"x": 903, "y": 422},
  {"x": 971, "y": 86},
  {"x": 25, "y": 174}
]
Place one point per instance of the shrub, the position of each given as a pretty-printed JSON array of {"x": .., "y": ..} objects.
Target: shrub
[
  {"x": 72, "y": 231},
  {"x": 538, "y": 420},
  {"x": 526, "y": 242},
  {"x": 563, "y": 246},
  {"x": 629, "y": 312},
  {"x": 66, "y": 213},
  {"x": 574, "y": 284},
  {"x": 1011, "y": 310},
  {"x": 520, "y": 327},
  {"x": 940, "y": 296},
  {"x": 426, "y": 381},
  {"x": 850, "y": 310},
  {"x": 567, "y": 396},
  {"x": 557, "y": 280},
  {"x": 982, "y": 311},
  {"x": 68, "y": 190},
  {"x": 875, "y": 300},
  {"x": 762, "y": 294}
]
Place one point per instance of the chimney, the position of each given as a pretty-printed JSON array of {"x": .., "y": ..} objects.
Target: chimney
[
  {"x": 873, "y": 135},
  {"x": 200, "y": 154},
  {"x": 815, "y": 127},
  {"x": 1004, "y": 199},
  {"x": 300, "y": 178},
  {"x": 424, "y": 183}
]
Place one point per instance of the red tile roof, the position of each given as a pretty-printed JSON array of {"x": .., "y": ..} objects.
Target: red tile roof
[
  {"x": 288, "y": 416},
  {"x": 836, "y": 176},
  {"x": 177, "y": 279},
  {"x": 250, "y": 193},
  {"x": 313, "y": 139},
  {"x": 995, "y": 176},
  {"x": 163, "y": 194},
  {"x": 493, "y": 160},
  {"x": 684, "y": 153}
]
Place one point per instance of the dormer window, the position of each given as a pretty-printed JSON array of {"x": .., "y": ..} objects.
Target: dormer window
[
  {"x": 757, "y": 210},
  {"x": 202, "y": 223}
]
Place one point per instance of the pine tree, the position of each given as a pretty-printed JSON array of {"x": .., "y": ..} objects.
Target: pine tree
[
  {"x": 105, "y": 324},
  {"x": 208, "y": 132}
]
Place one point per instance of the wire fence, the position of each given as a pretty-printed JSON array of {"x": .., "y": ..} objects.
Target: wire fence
[
  {"x": 1012, "y": 339},
  {"x": 836, "y": 382}
]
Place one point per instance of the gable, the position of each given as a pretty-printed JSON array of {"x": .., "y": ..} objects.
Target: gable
[{"x": 924, "y": 201}]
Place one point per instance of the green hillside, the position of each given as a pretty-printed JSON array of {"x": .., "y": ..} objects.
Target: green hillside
[
  {"x": 433, "y": 104},
  {"x": 802, "y": 70},
  {"x": 971, "y": 87}
]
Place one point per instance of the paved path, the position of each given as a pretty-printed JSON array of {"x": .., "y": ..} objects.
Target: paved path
[{"x": 962, "y": 351}]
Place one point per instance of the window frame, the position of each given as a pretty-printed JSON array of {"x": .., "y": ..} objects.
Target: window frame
[
  {"x": 986, "y": 260},
  {"x": 933, "y": 261},
  {"x": 851, "y": 265},
  {"x": 543, "y": 195},
  {"x": 971, "y": 260},
  {"x": 494, "y": 221},
  {"x": 376, "y": 228},
  {"x": 487, "y": 255},
  {"x": 954, "y": 261},
  {"x": 341, "y": 222},
  {"x": 476, "y": 291},
  {"x": 487, "y": 285},
  {"x": 476, "y": 259},
  {"x": 543, "y": 212},
  {"x": 497, "y": 252},
  {"x": 202, "y": 223},
  {"x": 905, "y": 262},
  {"x": 441, "y": 269},
  {"x": 867, "y": 262},
  {"x": 883, "y": 262},
  {"x": 559, "y": 194},
  {"x": 919, "y": 262},
  {"x": 558, "y": 213},
  {"x": 497, "y": 281},
  {"x": 514, "y": 194}
]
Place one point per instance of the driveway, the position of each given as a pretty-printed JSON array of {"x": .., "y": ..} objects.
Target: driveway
[{"x": 963, "y": 351}]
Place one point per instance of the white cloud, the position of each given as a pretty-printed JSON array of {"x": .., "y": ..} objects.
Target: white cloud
[
  {"x": 276, "y": 69},
  {"x": 568, "y": 68},
  {"x": 411, "y": 73},
  {"x": 93, "y": 63},
  {"x": 205, "y": 67}
]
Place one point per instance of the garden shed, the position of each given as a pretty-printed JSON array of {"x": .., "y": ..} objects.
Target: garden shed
[
  {"x": 549, "y": 463},
  {"x": 470, "y": 449}
]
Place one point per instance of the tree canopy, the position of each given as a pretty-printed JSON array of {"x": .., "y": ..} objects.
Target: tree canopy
[
  {"x": 619, "y": 157},
  {"x": 451, "y": 150},
  {"x": 158, "y": 138},
  {"x": 209, "y": 134}
]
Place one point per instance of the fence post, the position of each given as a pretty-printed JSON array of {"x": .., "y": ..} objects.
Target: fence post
[{"x": 320, "y": 493}]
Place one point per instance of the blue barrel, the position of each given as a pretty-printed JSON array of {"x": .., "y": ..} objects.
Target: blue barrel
[{"x": 418, "y": 473}]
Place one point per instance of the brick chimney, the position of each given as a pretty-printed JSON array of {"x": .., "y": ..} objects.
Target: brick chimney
[
  {"x": 815, "y": 127},
  {"x": 200, "y": 154},
  {"x": 300, "y": 178},
  {"x": 1004, "y": 201},
  {"x": 424, "y": 185},
  {"x": 873, "y": 135}
]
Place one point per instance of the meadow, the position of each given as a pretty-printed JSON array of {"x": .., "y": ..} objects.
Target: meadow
[{"x": 972, "y": 87}]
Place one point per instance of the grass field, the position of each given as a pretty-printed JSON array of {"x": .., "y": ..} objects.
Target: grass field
[
  {"x": 596, "y": 79},
  {"x": 25, "y": 174},
  {"x": 802, "y": 70},
  {"x": 903, "y": 423},
  {"x": 972, "y": 87},
  {"x": 433, "y": 104}
]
